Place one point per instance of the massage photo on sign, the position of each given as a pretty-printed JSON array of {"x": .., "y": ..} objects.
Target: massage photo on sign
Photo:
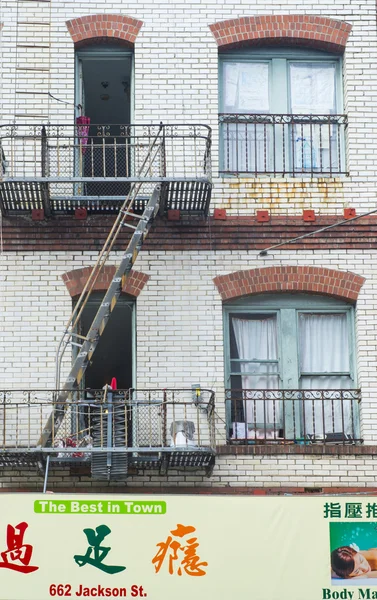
[{"x": 353, "y": 553}]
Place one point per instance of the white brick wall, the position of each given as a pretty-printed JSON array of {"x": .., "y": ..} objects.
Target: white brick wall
[
  {"x": 230, "y": 472},
  {"x": 179, "y": 317},
  {"x": 176, "y": 79},
  {"x": 179, "y": 313}
]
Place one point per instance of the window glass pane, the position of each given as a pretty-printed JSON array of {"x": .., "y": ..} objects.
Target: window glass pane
[
  {"x": 256, "y": 339},
  {"x": 312, "y": 91},
  {"x": 326, "y": 382},
  {"x": 254, "y": 368},
  {"x": 324, "y": 348},
  {"x": 312, "y": 88},
  {"x": 324, "y": 343},
  {"x": 245, "y": 87}
]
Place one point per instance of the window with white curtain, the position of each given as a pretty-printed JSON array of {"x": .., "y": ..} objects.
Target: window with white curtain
[
  {"x": 289, "y": 359},
  {"x": 285, "y": 83}
]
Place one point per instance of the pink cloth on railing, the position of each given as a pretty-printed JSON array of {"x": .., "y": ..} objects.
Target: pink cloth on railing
[{"x": 83, "y": 124}]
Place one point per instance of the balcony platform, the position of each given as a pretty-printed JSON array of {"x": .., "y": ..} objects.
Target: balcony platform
[
  {"x": 22, "y": 197},
  {"x": 54, "y": 169},
  {"x": 125, "y": 430}
]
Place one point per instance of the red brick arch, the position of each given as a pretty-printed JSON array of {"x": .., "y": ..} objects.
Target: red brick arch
[
  {"x": 316, "y": 280},
  {"x": 304, "y": 30},
  {"x": 102, "y": 27},
  {"x": 76, "y": 280}
]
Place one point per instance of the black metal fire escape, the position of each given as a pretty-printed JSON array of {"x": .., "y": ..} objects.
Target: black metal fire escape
[{"x": 143, "y": 172}]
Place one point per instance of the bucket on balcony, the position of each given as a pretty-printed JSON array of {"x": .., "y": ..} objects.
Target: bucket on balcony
[{"x": 182, "y": 434}]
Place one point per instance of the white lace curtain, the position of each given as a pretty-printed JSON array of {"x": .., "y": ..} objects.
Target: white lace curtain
[
  {"x": 256, "y": 340},
  {"x": 324, "y": 349}
]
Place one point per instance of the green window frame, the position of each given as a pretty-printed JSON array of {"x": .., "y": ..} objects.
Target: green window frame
[
  {"x": 283, "y": 142},
  {"x": 284, "y": 368}
]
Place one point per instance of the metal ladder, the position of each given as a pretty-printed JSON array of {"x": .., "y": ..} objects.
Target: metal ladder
[
  {"x": 32, "y": 75},
  {"x": 87, "y": 344}
]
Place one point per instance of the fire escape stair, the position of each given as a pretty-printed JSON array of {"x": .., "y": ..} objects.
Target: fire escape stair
[{"x": 22, "y": 197}]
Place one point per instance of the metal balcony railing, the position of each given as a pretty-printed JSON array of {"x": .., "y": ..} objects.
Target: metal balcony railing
[
  {"x": 293, "y": 416},
  {"x": 295, "y": 145},
  {"x": 153, "y": 427},
  {"x": 75, "y": 165}
]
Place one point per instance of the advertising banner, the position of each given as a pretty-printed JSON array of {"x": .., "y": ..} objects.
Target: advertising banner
[{"x": 187, "y": 547}]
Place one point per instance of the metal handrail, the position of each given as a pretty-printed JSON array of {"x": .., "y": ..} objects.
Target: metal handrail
[
  {"x": 62, "y": 153},
  {"x": 142, "y": 419},
  {"x": 283, "y": 144},
  {"x": 293, "y": 416}
]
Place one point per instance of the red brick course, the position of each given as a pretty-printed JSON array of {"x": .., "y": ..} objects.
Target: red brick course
[
  {"x": 338, "y": 284},
  {"x": 76, "y": 280},
  {"x": 64, "y": 233},
  {"x": 304, "y": 30},
  {"x": 118, "y": 27}
]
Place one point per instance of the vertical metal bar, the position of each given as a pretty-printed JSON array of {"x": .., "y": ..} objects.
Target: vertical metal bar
[
  {"x": 184, "y": 153},
  {"x": 238, "y": 141},
  {"x": 292, "y": 136},
  {"x": 101, "y": 425},
  {"x": 198, "y": 421},
  {"x": 46, "y": 474},
  {"x": 338, "y": 143},
  {"x": 127, "y": 150},
  {"x": 109, "y": 427},
  {"x": 28, "y": 424},
  {"x": 303, "y": 400},
  {"x": 255, "y": 150},
  {"x": 311, "y": 146},
  {"x": 150, "y": 416},
  {"x": 303, "y": 397},
  {"x": 58, "y": 152},
  {"x": 5, "y": 419},
  {"x": 245, "y": 411},
  {"x": 330, "y": 149},
  {"x": 53, "y": 425},
  {"x": 76, "y": 407},
  {"x": 103, "y": 155},
  {"x": 164, "y": 431},
  {"x": 196, "y": 146},
  {"x": 246, "y": 147},
  {"x": 172, "y": 161},
  {"x": 265, "y": 414},
  {"x": 23, "y": 153},
  {"x": 12, "y": 159},
  {"x": 341, "y": 400},
  {"x": 274, "y": 145},
  {"x": 115, "y": 158},
  {"x": 320, "y": 148},
  {"x": 355, "y": 435},
  {"x": 185, "y": 420},
  {"x": 174, "y": 432},
  {"x": 227, "y": 146},
  {"x": 265, "y": 147},
  {"x": 92, "y": 154},
  {"x": 125, "y": 407},
  {"x": 35, "y": 153},
  {"x": 17, "y": 418},
  {"x": 163, "y": 152}
]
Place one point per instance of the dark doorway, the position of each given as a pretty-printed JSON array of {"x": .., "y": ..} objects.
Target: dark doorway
[
  {"x": 114, "y": 354},
  {"x": 104, "y": 83}
]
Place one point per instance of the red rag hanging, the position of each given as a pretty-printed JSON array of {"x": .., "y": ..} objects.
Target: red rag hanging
[{"x": 83, "y": 124}]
